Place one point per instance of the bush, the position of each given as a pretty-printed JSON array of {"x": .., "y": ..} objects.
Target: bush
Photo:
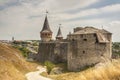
[
  {"x": 49, "y": 65},
  {"x": 24, "y": 50}
]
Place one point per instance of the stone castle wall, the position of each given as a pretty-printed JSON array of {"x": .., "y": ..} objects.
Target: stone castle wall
[
  {"x": 52, "y": 51},
  {"x": 84, "y": 47},
  {"x": 78, "y": 51},
  {"x": 86, "y": 51}
]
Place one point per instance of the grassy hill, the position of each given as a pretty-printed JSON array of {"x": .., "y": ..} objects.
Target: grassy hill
[
  {"x": 12, "y": 64},
  {"x": 13, "y": 67},
  {"x": 104, "y": 71}
]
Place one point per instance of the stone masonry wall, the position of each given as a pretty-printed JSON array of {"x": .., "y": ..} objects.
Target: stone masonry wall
[
  {"x": 52, "y": 51},
  {"x": 86, "y": 51}
]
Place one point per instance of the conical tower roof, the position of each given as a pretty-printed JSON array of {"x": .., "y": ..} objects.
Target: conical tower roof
[
  {"x": 59, "y": 34},
  {"x": 46, "y": 27}
]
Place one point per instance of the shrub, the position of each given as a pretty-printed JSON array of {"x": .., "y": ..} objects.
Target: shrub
[
  {"x": 24, "y": 50},
  {"x": 49, "y": 65}
]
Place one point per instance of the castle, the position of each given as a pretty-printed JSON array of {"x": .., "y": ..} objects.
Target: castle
[{"x": 84, "y": 47}]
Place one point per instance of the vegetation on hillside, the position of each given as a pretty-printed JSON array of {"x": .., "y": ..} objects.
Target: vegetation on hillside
[
  {"x": 116, "y": 49},
  {"x": 49, "y": 65},
  {"x": 13, "y": 66},
  {"x": 103, "y": 71},
  {"x": 26, "y": 47},
  {"x": 23, "y": 50}
]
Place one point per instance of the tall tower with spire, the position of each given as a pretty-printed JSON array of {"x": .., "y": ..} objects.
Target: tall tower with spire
[
  {"x": 46, "y": 33},
  {"x": 59, "y": 34}
]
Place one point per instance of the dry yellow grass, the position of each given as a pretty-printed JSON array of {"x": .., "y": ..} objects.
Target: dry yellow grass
[
  {"x": 12, "y": 65},
  {"x": 107, "y": 71}
]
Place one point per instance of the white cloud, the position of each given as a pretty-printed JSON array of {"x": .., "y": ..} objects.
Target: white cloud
[
  {"x": 115, "y": 23},
  {"x": 111, "y": 8},
  {"x": 63, "y": 5},
  {"x": 90, "y": 12},
  {"x": 4, "y": 2},
  {"x": 114, "y": 28},
  {"x": 26, "y": 20}
]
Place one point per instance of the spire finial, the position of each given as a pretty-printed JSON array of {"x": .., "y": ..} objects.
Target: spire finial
[
  {"x": 46, "y": 12},
  {"x": 60, "y": 25}
]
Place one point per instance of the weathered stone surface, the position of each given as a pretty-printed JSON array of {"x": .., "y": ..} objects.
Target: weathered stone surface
[
  {"x": 56, "y": 70},
  {"x": 85, "y": 50},
  {"x": 53, "y": 51}
]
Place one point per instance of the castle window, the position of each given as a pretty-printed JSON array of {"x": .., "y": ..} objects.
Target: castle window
[
  {"x": 73, "y": 39},
  {"x": 83, "y": 52},
  {"x": 94, "y": 35},
  {"x": 85, "y": 39},
  {"x": 81, "y": 36},
  {"x": 96, "y": 40},
  {"x": 46, "y": 34}
]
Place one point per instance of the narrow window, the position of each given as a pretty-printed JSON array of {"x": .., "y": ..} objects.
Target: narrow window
[
  {"x": 83, "y": 52},
  {"x": 96, "y": 40},
  {"x": 94, "y": 35},
  {"x": 85, "y": 39},
  {"x": 45, "y": 34},
  {"x": 73, "y": 39}
]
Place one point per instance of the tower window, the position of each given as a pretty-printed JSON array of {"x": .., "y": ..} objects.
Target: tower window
[
  {"x": 85, "y": 39},
  {"x": 96, "y": 40},
  {"x": 83, "y": 52},
  {"x": 46, "y": 34},
  {"x": 94, "y": 35},
  {"x": 73, "y": 39}
]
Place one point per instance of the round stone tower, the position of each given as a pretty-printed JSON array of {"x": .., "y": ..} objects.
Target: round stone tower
[{"x": 46, "y": 33}]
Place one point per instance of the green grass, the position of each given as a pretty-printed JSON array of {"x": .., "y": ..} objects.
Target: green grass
[{"x": 107, "y": 71}]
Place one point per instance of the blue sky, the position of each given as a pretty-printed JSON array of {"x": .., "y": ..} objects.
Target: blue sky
[{"x": 24, "y": 19}]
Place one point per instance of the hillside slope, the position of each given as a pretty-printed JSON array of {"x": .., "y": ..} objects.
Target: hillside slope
[
  {"x": 103, "y": 71},
  {"x": 12, "y": 65}
]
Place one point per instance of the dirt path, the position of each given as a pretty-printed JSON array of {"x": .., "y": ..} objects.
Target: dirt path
[{"x": 36, "y": 75}]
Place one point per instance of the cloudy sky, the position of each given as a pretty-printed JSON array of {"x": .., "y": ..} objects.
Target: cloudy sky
[{"x": 24, "y": 19}]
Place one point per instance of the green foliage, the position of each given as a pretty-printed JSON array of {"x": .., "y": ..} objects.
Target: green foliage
[
  {"x": 49, "y": 66},
  {"x": 24, "y": 50},
  {"x": 35, "y": 44},
  {"x": 116, "y": 45},
  {"x": 116, "y": 48}
]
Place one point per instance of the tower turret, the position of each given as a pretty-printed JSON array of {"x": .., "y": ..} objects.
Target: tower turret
[
  {"x": 46, "y": 33},
  {"x": 59, "y": 34}
]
